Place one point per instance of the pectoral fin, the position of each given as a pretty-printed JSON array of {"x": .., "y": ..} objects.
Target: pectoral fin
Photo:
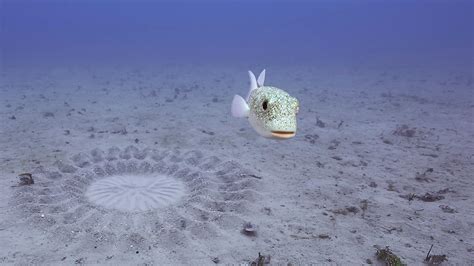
[{"x": 239, "y": 107}]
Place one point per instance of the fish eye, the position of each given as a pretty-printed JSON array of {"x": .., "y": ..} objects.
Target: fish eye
[{"x": 265, "y": 105}]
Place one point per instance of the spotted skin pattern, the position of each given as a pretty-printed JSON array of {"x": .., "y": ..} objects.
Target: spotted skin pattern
[{"x": 272, "y": 109}]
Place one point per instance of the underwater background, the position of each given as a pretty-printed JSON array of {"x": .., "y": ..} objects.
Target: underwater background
[
  {"x": 295, "y": 32},
  {"x": 117, "y": 143}
]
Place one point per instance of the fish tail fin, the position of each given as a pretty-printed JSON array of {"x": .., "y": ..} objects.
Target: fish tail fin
[{"x": 239, "y": 107}]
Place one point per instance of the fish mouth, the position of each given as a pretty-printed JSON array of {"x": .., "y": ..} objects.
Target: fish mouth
[{"x": 283, "y": 134}]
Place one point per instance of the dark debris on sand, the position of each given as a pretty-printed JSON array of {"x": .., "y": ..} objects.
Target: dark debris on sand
[
  {"x": 311, "y": 138},
  {"x": 346, "y": 210},
  {"x": 405, "y": 131},
  {"x": 249, "y": 229},
  {"x": 26, "y": 179},
  {"x": 261, "y": 260},
  {"x": 435, "y": 259},
  {"x": 428, "y": 196},
  {"x": 423, "y": 177}
]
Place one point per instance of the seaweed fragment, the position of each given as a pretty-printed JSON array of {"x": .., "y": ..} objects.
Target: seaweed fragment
[
  {"x": 427, "y": 197},
  {"x": 388, "y": 257}
]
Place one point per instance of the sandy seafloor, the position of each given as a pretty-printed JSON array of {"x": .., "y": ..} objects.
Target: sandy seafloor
[{"x": 356, "y": 179}]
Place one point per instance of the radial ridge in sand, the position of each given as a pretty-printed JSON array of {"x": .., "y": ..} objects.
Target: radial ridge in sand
[{"x": 135, "y": 192}]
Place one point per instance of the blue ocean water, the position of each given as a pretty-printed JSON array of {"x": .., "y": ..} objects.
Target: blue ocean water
[{"x": 70, "y": 32}]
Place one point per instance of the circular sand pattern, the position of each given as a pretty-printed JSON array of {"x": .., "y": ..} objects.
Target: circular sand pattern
[
  {"x": 138, "y": 199},
  {"x": 135, "y": 193}
]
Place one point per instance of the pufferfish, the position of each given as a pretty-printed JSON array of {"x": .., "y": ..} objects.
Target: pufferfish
[{"x": 270, "y": 110}]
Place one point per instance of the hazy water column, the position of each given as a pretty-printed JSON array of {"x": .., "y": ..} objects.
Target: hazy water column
[{"x": 68, "y": 32}]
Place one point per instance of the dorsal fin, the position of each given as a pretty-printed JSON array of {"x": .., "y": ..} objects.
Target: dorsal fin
[
  {"x": 261, "y": 78},
  {"x": 253, "y": 83}
]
